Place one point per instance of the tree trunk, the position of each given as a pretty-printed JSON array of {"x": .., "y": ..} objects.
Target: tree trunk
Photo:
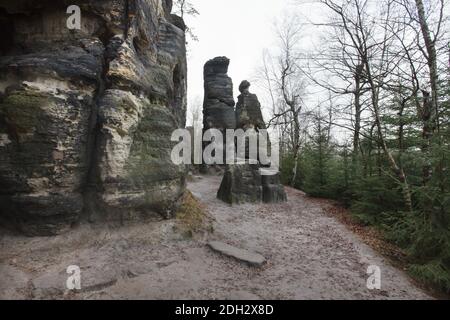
[
  {"x": 356, "y": 137},
  {"x": 431, "y": 60},
  {"x": 399, "y": 172},
  {"x": 430, "y": 111},
  {"x": 296, "y": 147},
  {"x": 294, "y": 171}
]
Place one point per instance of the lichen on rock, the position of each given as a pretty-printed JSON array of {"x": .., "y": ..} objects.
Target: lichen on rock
[{"x": 86, "y": 115}]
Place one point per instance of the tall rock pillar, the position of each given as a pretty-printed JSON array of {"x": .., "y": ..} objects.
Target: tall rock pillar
[{"x": 218, "y": 105}]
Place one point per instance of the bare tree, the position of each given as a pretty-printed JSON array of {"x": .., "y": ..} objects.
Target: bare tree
[
  {"x": 427, "y": 40},
  {"x": 185, "y": 8},
  {"x": 337, "y": 67},
  {"x": 284, "y": 82},
  {"x": 195, "y": 113},
  {"x": 371, "y": 44}
]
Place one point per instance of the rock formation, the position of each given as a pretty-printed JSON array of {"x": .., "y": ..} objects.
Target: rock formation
[
  {"x": 241, "y": 183},
  {"x": 248, "y": 109},
  {"x": 250, "y": 182},
  {"x": 86, "y": 115},
  {"x": 218, "y": 106}
]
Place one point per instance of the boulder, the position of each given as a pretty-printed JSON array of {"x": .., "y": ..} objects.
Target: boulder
[
  {"x": 241, "y": 184},
  {"x": 251, "y": 258},
  {"x": 247, "y": 183},
  {"x": 273, "y": 189}
]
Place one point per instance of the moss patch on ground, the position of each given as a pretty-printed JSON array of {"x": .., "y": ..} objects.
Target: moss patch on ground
[{"x": 192, "y": 217}]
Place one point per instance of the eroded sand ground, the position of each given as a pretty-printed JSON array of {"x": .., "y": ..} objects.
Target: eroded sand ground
[{"x": 310, "y": 256}]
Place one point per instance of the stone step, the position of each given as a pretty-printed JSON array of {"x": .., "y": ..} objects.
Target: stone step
[{"x": 251, "y": 258}]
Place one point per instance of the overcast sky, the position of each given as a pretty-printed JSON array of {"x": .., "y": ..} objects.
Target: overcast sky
[
  {"x": 237, "y": 29},
  {"x": 242, "y": 30}
]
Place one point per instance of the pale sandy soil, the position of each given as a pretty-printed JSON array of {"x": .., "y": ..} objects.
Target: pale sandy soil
[{"x": 310, "y": 256}]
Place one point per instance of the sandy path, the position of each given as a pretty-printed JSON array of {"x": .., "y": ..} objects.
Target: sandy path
[{"x": 310, "y": 254}]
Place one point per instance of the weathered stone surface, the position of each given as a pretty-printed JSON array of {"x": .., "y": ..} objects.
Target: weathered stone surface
[
  {"x": 246, "y": 182},
  {"x": 251, "y": 258},
  {"x": 218, "y": 106},
  {"x": 273, "y": 190},
  {"x": 241, "y": 184},
  {"x": 86, "y": 115},
  {"x": 248, "y": 109}
]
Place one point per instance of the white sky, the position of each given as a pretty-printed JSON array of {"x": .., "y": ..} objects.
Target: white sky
[{"x": 238, "y": 29}]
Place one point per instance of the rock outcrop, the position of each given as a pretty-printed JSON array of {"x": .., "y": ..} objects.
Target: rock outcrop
[
  {"x": 248, "y": 109},
  {"x": 218, "y": 106},
  {"x": 249, "y": 182},
  {"x": 86, "y": 115},
  {"x": 242, "y": 183}
]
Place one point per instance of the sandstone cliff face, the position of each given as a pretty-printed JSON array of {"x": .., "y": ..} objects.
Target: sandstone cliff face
[{"x": 86, "y": 116}]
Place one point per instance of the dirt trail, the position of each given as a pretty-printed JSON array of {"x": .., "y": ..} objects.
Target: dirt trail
[{"x": 310, "y": 256}]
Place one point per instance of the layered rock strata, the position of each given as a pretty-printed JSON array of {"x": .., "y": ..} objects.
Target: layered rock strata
[
  {"x": 249, "y": 182},
  {"x": 86, "y": 115}
]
